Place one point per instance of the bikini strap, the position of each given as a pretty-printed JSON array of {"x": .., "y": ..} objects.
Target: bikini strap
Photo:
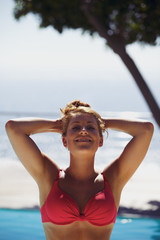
[
  {"x": 60, "y": 174},
  {"x": 103, "y": 177}
]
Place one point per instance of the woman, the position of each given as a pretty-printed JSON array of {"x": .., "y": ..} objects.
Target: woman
[{"x": 79, "y": 203}]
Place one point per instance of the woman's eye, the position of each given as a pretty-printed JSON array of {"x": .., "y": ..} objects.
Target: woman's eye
[
  {"x": 76, "y": 128},
  {"x": 90, "y": 128}
]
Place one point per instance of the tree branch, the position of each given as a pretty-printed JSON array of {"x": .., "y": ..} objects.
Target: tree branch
[{"x": 115, "y": 42}]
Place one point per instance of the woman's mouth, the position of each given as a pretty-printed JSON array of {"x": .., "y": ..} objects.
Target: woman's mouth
[{"x": 83, "y": 140}]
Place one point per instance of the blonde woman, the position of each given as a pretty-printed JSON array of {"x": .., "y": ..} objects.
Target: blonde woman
[{"x": 78, "y": 202}]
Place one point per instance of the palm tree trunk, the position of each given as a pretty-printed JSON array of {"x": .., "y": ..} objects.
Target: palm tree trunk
[
  {"x": 118, "y": 46},
  {"x": 142, "y": 86}
]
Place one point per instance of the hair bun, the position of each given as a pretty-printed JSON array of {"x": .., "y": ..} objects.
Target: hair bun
[
  {"x": 78, "y": 103},
  {"x": 73, "y": 106}
]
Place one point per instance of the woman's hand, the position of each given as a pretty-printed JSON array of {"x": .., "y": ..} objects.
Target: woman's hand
[{"x": 57, "y": 126}]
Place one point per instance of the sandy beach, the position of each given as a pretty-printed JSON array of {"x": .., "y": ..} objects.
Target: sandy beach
[{"x": 19, "y": 190}]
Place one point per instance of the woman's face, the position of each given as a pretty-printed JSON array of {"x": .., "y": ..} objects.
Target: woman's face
[{"x": 83, "y": 133}]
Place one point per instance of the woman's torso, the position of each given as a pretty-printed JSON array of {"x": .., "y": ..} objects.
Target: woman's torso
[{"x": 77, "y": 231}]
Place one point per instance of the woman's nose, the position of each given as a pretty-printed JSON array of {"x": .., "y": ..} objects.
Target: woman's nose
[{"x": 83, "y": 131}]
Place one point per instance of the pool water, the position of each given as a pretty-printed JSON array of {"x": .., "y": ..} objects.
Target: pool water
[
  {"x": 26, "y": 225},
  {"x": 136, "y": 229},
  {"x": 20, "y": 225}
]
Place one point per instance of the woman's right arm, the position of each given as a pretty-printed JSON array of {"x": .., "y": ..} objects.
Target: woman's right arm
[{"x": 36, "y": 163}]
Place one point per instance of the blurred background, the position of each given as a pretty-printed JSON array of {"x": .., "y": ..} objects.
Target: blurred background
[{"x": 41, "y": 70}]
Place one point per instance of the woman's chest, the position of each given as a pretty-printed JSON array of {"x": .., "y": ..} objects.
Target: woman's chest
[{"x": 82, "y": 192}]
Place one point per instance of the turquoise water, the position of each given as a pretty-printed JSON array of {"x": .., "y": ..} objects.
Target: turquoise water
[
  {"x": 26, "y": 225},
  {"x": 20, "y": 225}
]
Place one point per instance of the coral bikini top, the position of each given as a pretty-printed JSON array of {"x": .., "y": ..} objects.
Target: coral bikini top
[{"x": 61, "y": 209}]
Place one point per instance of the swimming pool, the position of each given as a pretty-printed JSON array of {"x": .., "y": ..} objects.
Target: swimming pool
[{"x": 26, "y": 225}]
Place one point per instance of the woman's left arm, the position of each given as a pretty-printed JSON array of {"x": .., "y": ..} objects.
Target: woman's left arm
[{"x": 121, "y": 170}]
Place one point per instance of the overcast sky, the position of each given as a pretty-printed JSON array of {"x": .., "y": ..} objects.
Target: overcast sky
[{"x": 28, "y": 53}]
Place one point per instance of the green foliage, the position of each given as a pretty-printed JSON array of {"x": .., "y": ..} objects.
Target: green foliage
[{"x": 136, "y": 20}]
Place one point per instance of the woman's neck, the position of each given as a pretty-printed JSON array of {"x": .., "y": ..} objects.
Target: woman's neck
[{"x": 81, "y": 168}]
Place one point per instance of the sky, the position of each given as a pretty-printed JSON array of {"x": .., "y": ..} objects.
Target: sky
[{"x": 41, "y": 70}]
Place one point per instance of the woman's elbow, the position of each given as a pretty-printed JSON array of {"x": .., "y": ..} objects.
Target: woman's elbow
[
  {"x": 149, "y": 128},
  {"x": 10, "y": 125}
]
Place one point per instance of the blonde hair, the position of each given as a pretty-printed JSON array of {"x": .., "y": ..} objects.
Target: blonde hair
[{"x": 77, "y": 106}]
